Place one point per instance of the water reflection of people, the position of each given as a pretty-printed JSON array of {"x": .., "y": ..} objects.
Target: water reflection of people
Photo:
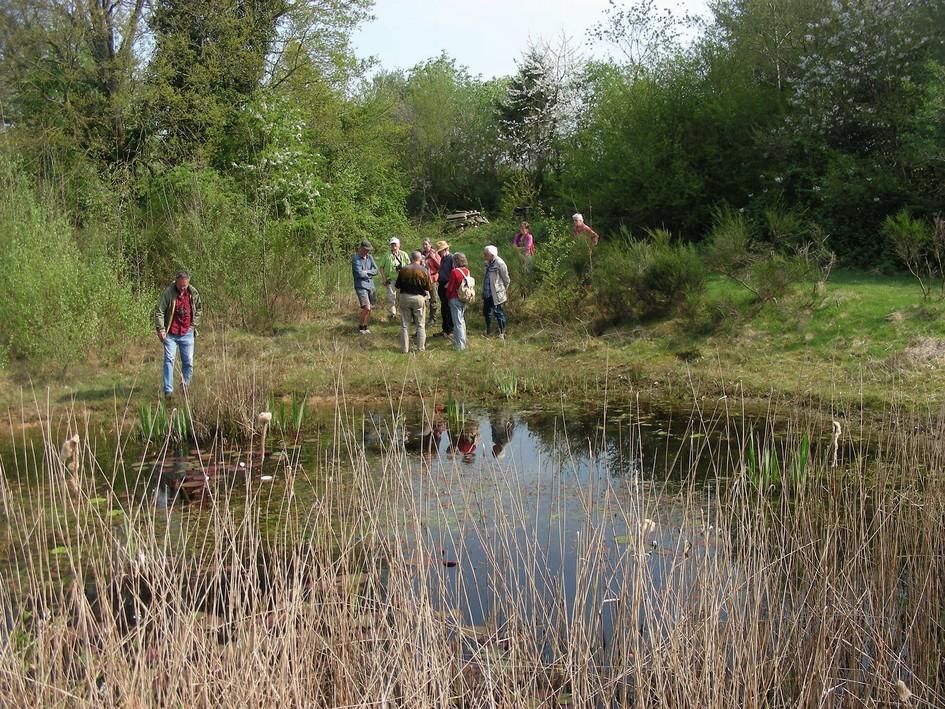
[
  {"x": 181, "y": 481},
  {"x": 432, "y": 432},
  {"x": 502, "y": 426},
  {"x": 464, "y": 440}
]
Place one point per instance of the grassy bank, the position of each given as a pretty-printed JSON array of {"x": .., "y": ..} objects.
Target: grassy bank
[{"x": 865, "y": 340}]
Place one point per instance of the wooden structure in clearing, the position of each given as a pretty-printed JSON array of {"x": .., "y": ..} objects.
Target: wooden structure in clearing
[{"x": 468, "y": 219}]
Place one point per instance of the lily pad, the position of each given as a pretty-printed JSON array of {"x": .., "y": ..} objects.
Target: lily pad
[{"x": 58, "y": 551}]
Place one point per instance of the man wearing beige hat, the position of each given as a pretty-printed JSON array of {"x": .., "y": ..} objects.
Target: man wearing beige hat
[
  {"x": 390, "y": 264},
  {"x": 446, "y": 268}
]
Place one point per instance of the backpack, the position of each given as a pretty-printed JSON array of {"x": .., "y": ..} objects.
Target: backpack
[{"x": 467, "y": 290}]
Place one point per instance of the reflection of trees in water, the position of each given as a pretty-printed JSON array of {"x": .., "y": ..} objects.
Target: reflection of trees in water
[{"x": 582, "y": 437}]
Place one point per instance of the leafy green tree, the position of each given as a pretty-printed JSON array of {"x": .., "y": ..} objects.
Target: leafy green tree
[
  {"x": 645, "y": 35},
  {"x": 771, "y": 36},
  {"x": 211, "y": 57},
  {"x": 209, "y": 60},
  {"x": 659, "y": 150},
  {"x": 67, "y": 76},
  {"x": 851, "y": 106},
  {"x": 450, "y": 151}
]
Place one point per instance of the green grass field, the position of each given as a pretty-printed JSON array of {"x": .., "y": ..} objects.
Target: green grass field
[{"x": 865, "y": 339}]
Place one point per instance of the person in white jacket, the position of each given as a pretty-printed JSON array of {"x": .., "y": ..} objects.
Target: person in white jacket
[{"x": 495, "y": 286}]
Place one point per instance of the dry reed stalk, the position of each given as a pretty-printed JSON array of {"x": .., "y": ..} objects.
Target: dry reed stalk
[{"x": 343, "y": 599}]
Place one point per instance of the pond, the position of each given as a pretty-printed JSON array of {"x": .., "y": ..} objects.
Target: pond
[{"x": 534, "y": 557}]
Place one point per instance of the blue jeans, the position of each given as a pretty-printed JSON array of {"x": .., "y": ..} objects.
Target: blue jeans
[
  {"x": 186, "y": 345},
  {"x": 489, "y": 309},
  {"x": 458, "y": 310}
]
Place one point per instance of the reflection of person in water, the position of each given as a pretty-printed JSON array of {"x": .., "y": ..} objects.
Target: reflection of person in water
[
  {"x": 502, "y": 426},
  {"x": 183, "y": 480},
  {"x": 464, "y": 442},
  {"x": 433, "y": 431}
]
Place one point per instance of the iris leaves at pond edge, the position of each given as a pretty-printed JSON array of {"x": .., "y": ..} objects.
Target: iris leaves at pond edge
[{"x": 764, "y": 470}]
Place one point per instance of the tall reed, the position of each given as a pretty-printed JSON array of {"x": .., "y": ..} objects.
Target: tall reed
[{"x": 827, "y": 592}]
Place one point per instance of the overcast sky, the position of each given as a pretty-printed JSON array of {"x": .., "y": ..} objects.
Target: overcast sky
[{"x": 485, "y": 35}]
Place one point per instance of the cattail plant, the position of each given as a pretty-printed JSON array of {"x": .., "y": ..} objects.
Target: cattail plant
[
  {"x": 835, "y": 442},
  {"x": 903, "y": 691},
  {"x": 264, "y": 419}
]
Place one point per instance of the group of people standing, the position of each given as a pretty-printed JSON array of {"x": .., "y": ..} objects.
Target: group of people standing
[{"x": 416, "y": 282}]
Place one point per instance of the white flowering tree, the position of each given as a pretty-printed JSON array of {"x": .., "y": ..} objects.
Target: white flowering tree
[
  {"x": 283, "y": 170},
  {"x": 541, "y": 107}
]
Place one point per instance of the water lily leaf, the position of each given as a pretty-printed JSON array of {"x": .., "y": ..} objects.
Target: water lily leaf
[
  {"x": 59, "y": 550},
  {"x": 115, "y": 513},
  {"x": 565, "y": 698},
  {"x": 623, "y": 539},
  {"x": 98, "y": 500}
]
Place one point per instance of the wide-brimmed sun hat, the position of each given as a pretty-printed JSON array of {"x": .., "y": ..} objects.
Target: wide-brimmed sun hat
[
  {"x": 441, "y": 246},
  {"x": 365, "y": 244}
]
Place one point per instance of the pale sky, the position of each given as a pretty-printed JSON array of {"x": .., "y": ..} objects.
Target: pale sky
[{"x": 485, "y": 35}]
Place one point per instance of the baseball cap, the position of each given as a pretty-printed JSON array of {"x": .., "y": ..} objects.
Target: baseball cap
[{"x": 394, "y": 240}]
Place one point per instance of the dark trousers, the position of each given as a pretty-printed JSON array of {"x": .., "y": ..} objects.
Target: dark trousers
[
  {"x": 489, "y": 309},
  {"x": 445, "y": 309},
  {"x": 431, "y": 316}
]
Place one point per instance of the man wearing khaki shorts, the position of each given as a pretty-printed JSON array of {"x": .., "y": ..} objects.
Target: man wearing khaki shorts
[{"x": 363, "y": 270}]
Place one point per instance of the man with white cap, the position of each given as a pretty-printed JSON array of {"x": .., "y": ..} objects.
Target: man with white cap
[
  {"x": 390, "y": 264},
  {"x": 583, "y": 230},
  {"x": 494, "y": 290}
]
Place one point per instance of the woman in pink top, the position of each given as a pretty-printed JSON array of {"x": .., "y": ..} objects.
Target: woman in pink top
[
  {"x": 457, "y": 307},
  {"x": 524, "y": 241}
]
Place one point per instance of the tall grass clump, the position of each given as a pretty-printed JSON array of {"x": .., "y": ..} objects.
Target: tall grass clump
[
  {"x": 66, "y": 295},
  {"x": 704, "y": 594}
]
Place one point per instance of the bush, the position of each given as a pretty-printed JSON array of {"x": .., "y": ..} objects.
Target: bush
[
  {"x": 919, "y": 247},
  {"x": 62, "y": 302},
  {"x": 648, "y": 278},
  {"x": 798, "y": 252},
  {"x": 729, "y": 246},
  {"x": 555, "y": 270},
  {"x": 253, "y": 271},
  {"x": 773, "y": 274}
]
